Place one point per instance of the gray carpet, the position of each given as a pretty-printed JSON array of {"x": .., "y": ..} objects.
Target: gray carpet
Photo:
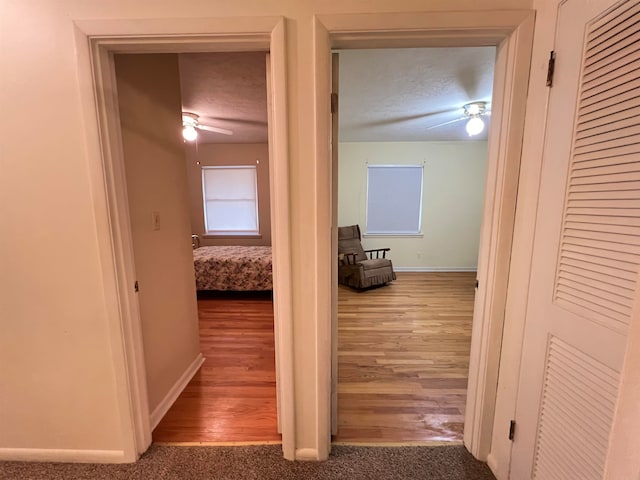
[{"x": 266, "y": 463}]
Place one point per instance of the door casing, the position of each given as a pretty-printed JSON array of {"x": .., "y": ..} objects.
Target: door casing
[
  {"x": 97, "y": 41},
  {"x": 512, "y": 33}
]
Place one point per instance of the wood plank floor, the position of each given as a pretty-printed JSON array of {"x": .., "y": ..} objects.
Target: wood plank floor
[
  {"x": 404, "y": 358},
  {"x": 233, "y": 396}
]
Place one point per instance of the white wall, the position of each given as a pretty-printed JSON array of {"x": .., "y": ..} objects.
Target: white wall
[
  {"x": 453, "y": 191},
  {"x": 149, "y": 88},
  {"x": 223, "y": 154},
  {"x": 57, "y": 366}
]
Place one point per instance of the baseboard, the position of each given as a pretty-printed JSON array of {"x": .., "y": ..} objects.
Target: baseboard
[
  {"x": 62, "y": 455},
  {"x": 308, "y": 454},
  {"x": 492, "y": 462},
  {"x": 174, "y": 392},
  {"x": 435, "y": 269}
]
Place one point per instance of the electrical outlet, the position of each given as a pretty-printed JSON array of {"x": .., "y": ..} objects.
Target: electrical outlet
[
  {"x": 419, "y": 254},
  {"x": 155, "y": 220}
]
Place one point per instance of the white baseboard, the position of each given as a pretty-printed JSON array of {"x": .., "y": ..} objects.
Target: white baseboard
[
  {"x": 309, "y": 454},
  {"x": 62, "y": 455},
  {"x": 174, "y": 392},
  {"x": 492, "y": 462},
  {"x": 435, "y": 269}
]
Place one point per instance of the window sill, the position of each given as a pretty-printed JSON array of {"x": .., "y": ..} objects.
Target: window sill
[
  {"x": 393, "y": 235},
  {"x": 256, "y": 236}
]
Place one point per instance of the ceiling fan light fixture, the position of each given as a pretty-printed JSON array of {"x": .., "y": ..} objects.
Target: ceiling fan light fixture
[
  {"x": 189, "y": 124},
  {"x": 475, "y": 126},
  {"x": 189, "y": 133},
  {"x": 475, "y": 108}
]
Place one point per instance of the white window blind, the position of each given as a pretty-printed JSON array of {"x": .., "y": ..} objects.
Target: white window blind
[
  {"x": 230, "y": 200},
  {"x": 394, "y": 199}
]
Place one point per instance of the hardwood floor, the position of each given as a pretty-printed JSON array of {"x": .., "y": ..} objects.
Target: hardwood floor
[
  {"x": 403, "y": 363},
  {"x": 233, "y": 396},
  {"x": 403, "y": 356}
]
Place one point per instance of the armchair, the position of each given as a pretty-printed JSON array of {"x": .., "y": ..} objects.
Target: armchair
[{"x": 360, "y": 268}]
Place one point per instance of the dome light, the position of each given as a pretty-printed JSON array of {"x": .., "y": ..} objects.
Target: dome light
[
  {"x": 475, "y": 126},
  {"x": 189, "y": 133}
]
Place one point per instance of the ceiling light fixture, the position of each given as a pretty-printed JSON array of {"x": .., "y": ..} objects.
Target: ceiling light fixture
[
  {"x": 473, "y": 110},
  {"x": 475, "y": 126},
  {"x": 189, "y": 122}
]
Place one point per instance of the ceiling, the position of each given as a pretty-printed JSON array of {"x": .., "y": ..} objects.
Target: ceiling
[
  {"x": 395, "y": 95},
  {"x": 227, "y": 90},
  {"x": 385, "y": 94}
]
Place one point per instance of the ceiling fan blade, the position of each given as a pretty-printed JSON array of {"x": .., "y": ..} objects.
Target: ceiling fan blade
[
  {"x": 446, "y": 123},
  {"x": 223, "y": 131}
]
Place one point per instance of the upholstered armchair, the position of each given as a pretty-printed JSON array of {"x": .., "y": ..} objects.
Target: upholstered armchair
[{"x": 360, "y": 268}]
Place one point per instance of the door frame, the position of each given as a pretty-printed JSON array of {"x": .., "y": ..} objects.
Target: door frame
[
  {"x": 97, "y": 41},
  {"x": 512, "y": 33}
]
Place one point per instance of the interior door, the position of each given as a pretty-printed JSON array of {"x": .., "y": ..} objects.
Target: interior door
[
  {"x": 335, "y": 64},
  {"x": 587, "y": 246}
]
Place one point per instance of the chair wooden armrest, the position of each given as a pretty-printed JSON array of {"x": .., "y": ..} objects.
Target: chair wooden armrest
[
  {"x": 377, "y": 252},
  {"x": 350, "y": 258}
]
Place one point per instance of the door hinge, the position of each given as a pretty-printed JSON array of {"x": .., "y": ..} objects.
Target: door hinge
[
  {"x": 334, "y": 103},
  {"x": 512, "y": 429},
  {"x": 477, "y": 284},
  {"x": 551, "y": 68},
  {"x": 135, "y": 286}
]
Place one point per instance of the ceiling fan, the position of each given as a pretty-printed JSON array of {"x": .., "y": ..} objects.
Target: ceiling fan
[
  {"x": 191, "y": 125},
  {"x": 472, "y": 113}
]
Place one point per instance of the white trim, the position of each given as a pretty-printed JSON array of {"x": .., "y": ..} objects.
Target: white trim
[
  {"x": 435, "y": 269},
  {"x": 175, "y": 391},
  {"x": 512, "y": 32},
  {"x": 62, "y": 455},
  {"x": 307, "y": 454},
  {"x": 393, "y": 235},
  {"x": 97, "y": 41},
  {"x": 492, "y": 463},
  {"x": 496, "y": 238}
]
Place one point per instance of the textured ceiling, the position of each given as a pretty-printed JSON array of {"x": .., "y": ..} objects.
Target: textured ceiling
[
  {"x": 227, "y": 90},
  {"x": 385, "y": 95},
  {"x": 397, "y": 94}
]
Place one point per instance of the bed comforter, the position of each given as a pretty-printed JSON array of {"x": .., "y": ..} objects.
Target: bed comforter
[{"x": 233, "y": 268}]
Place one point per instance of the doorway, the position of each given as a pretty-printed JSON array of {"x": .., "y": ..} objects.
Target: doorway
[
  {"x": 412, "y": 177},
  {"x": 212, "y": 186},
  {"x": 266, "y": 36},
  {"x": 339, "y": 32}
]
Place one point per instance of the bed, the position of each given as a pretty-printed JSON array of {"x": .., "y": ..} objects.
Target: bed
[{"x": 233, "y": 268}]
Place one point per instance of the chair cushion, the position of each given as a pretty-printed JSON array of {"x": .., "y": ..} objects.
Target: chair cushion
[{"x": 375, "y": 263}]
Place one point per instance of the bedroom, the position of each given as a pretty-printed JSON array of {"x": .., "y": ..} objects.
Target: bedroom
[
  {"x": 210, "y": 193},
  {"x": 413, "y": 179}
]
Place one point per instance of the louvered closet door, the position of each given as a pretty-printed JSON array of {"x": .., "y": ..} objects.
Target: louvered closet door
[{"x": 587, "y": 246}]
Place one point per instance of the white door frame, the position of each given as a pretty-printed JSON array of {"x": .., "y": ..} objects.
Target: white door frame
[
  {"x": 512, "y": 33},
  {"x": 97, "y": 41}
]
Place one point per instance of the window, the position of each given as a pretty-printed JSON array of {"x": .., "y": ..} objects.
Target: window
[
  {"x": 230, "y": 200},
  {"x": 394, "y": 199}
]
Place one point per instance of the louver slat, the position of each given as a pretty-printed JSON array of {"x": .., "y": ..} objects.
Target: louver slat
[
  {"x": 578, "y": 402},
  {"x": 626, "y": 278},
  {"x": 608, "y": 76},
  {"x": 618, "y": 50},
  {"x": 629, "y": 88},
  {"x": 630, "y": 111},
  {"x": 623, "y": 78},
  {"x": 620, "y": 18},
  {"x": 602, "y": 209},
  {"x": 623, "y": 186}
]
